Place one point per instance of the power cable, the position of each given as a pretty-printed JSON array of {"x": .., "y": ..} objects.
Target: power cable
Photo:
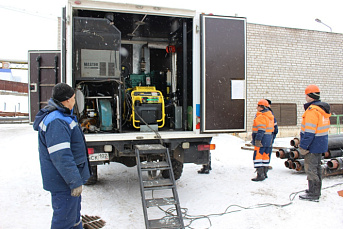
[{"x": 191, "y": 218}]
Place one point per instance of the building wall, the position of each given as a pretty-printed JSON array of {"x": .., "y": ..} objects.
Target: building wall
[
  {"x": 13, "y": 96},
  {"x": 281, "y": 62},
  {"x": 6, "y": 85}
]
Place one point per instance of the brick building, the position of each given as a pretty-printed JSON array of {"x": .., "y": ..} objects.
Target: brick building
[
  {"x": 13, "y": 94},
  {"x": 281, "y": 62}
]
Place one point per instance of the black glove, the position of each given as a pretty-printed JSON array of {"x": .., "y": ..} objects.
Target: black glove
[
  {"x": 258, "y": 143},
  {"x": 303, "y": 151}
]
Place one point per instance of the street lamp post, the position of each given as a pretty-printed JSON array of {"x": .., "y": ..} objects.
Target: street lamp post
[{"x": 319, "y": 21}]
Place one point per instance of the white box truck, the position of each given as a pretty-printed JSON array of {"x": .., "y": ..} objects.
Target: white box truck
[{"x": 147, "y": 75}]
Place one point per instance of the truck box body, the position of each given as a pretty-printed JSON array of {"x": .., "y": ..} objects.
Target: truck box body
[{"x": 151, "y": 75}]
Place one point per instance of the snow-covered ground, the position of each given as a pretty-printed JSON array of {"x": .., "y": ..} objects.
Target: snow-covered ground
[{"x": 116, "y": 197}]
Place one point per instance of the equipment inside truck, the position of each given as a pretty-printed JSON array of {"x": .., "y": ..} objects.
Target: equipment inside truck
[{"x": 131, "y": 71}]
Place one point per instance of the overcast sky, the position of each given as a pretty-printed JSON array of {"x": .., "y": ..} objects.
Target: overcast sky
[{"x": 32, "y": 24}]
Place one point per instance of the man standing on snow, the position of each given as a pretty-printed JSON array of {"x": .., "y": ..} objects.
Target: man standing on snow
[
  {"x": 262, "y": 131},
  {"x": 63, "y": 157},
  {"x": 314, "y": 140}
]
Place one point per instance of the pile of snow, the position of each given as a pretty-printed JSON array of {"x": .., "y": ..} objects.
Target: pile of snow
[{"x": 116, "y": 197}]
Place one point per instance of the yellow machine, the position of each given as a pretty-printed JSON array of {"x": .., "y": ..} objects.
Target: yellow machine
[{"x": 147, "y": 107}]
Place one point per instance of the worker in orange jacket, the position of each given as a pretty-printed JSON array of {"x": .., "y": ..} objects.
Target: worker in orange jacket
[
  {"x": 262, "y": 130},
  {"x": 314, "y": 140}
]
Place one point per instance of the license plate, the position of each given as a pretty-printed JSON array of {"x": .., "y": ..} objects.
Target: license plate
[{"x": 99, "y": 157}]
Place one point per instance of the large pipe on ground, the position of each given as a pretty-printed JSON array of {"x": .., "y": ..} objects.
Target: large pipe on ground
[
  {"x": 335, "y": 163},
  {"x": 336, "y": 136},
  {"x": 326, "y": 171},
  {"x": 335, "y": 142},
  {"x": 283, "y": 153},
  {"x": 333, "y": 153},
  {"x": 289, "y": 163},
  {"x": 298, "y": 165},
  {"x": 295, "y": 142},
  {"x": 295, "y": 154}
]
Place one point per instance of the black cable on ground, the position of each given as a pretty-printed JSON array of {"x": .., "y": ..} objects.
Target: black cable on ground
[{"x": 191, "y": 218}]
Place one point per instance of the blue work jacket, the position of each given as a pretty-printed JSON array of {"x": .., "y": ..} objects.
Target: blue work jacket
[{"x": 62, "y": 148}]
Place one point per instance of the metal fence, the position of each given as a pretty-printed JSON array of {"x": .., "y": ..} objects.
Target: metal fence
[{"x": 337, "y": 119}]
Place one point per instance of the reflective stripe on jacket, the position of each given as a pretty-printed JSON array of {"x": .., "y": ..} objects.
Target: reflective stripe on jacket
[
  {"x": 62, "y": 149},
  {"x": 315, "y": 127},
  {"x": 263, "y": 127}
]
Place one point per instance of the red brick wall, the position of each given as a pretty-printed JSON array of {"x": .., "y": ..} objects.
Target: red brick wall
[{"x": 13, "y": 86}]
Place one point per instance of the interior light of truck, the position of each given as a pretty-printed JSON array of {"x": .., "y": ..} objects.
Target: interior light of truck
[
  {"x": 108, "y": 148},
  {"x": 206, "y": 147},
  {"x": 90, "y": 150},
  {"x": 185, "y": 145}
]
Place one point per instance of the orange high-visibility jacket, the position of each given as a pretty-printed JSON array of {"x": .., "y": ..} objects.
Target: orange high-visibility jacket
[
  {"x": 263, "y": 127},
  {"x": 315, "y": 127}
]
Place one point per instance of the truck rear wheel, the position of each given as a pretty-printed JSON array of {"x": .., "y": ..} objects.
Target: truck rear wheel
[
  {"x": 94, "y": 177},
  {"x": 177, "y": 169}
]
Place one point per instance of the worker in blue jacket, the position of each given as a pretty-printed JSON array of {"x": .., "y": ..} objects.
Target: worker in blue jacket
[
  {"x": 63, "y": 157},
  {"x": 315, "y": 128}
]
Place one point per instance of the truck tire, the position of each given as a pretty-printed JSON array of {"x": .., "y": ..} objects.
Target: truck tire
[
  {"x": 177, "y": 169},
  {"x": 94, "y": 177}
]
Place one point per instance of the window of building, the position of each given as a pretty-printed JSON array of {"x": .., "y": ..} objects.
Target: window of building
[
  {"x": 18, "y": 107},
  {"x": 4, "y": 106},
  {"x": 285, "y": 113}
]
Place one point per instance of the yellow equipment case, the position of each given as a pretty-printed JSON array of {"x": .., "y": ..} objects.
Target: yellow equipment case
[{"x": 147, "y": 107}]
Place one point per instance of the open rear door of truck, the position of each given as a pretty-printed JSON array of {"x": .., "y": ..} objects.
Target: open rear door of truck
[
  {"x": 223, "y": 74},
  {"x": 44, "y": 73}
]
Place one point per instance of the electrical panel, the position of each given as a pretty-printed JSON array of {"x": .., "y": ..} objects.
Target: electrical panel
[{"x": 100, "y": 63}]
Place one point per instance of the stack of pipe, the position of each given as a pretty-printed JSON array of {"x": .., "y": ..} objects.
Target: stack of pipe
[
  {"x": 333, "y": 167},
  {"x": 332, "y": 160}
]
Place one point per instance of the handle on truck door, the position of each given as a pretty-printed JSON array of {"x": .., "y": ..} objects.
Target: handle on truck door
[{"x": 33, "y": 87}]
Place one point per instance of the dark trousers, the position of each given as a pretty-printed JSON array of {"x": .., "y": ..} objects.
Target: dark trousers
[
  {"x": 313, "y": 167},
  {"x": 67, "y": 211}
]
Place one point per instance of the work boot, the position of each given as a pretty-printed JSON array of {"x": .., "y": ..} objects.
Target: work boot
[
  {"x": 205, "y": 169},
  {"x": 266, "y": 168},
  {"x": 260, "y": 174},
  {"x": 310, "y": 184},
  {"x": 317, "y": 188},
  {"x": 309, "y": 197},
  {"x": 313, "y": 192}
]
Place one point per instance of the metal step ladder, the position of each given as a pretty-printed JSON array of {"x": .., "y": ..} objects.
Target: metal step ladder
[{"x": 157, "y": 191}]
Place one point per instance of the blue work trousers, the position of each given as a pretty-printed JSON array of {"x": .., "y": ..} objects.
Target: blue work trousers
[{"x": 67, "y": 211}]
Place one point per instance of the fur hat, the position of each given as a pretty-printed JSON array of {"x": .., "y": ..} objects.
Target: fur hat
[{"x": 62, "y": 92}]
